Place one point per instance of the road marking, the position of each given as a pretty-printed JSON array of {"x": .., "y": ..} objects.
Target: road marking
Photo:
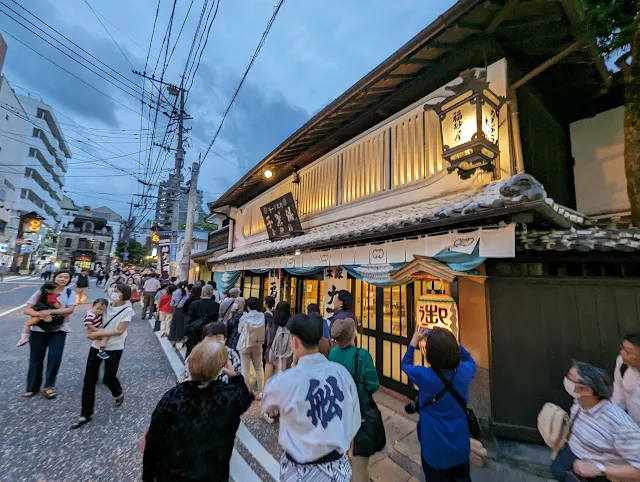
[
  {"x": 239, "y": 469},
  {"x": 12, "y": 310}
]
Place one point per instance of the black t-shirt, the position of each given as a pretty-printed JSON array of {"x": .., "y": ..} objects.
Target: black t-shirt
[{"x": 83, "y": 281}]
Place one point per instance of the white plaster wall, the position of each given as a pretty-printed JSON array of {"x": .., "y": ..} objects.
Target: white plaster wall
[
  {"x": 439, "y": 185},
  {"x": 597, "y": 145}
]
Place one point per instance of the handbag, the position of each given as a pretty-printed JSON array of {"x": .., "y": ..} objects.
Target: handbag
[
  {"x": 562, "y": 465},
  {"x": 475, "y": 431},
  {"x": 371, "y": 437}
]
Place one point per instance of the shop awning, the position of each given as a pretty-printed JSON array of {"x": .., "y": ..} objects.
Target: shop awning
[
  {"x": 498, "y": 199},
  {"x": 423, "y": 267}
]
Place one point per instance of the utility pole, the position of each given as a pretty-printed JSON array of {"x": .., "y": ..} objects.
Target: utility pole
[
  {"x": 176, "y": 191},
  {"x": 185, "y": 264},
  {"x": 181, "y": 116}
]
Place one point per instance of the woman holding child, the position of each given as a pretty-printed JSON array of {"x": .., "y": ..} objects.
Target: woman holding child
[
  {"x": 108, "y": 333},
  {"x": 47, "y": 334}
]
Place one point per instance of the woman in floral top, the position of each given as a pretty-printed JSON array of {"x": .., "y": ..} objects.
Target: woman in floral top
[
  {"x": 217, "y": 332},
  {"x": 237, "y": 310}
]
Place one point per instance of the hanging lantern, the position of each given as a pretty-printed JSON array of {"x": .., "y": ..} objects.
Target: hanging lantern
[
  {"x": 155, "y": 237},
  {"x": 469, "y": 123}
]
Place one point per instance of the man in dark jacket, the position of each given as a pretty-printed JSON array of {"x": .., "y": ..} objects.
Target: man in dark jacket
[
  {"x": 202, "y": 311},
  {"x": 82, "y": 285}
]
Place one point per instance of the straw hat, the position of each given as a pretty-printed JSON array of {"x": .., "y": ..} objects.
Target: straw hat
[{"x": 553, "y": 425}]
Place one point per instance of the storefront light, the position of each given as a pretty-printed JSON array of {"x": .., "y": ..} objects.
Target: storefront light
[
  {"x": 469, "y": 125},
  {"x": 268, "y": 174}
]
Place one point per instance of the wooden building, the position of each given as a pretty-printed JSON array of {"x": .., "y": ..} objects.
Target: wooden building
[{"x": 421, "y": 186}]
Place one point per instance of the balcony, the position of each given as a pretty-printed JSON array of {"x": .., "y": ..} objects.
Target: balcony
[
  {"x": 45, "y": 159},
  {"x": 44, "y": 194},
  {"x": 25, "y": 205},
  {"x": 49, "y": 151}
]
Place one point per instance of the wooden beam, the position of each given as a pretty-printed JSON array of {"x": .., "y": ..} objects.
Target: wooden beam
[
  {"x": 399, "y": 76},
  {"x": 418, "y": 61},
  {"x": 470, "y": 27},
  {"x": 502, "y": 15},
  {"x": 381, "y": 89},
  {"x": 545, "y": 65}
]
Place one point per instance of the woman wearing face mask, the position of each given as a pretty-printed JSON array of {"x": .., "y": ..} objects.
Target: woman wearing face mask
[
  {"x": 114, "y": 327},
  {"x": 604, "y": 443},
  {"x": 237, "y": 310}
]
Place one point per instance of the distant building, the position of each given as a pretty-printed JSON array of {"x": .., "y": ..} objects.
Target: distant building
[
  {"x": 85, "y": 241},
  {"x": 114, "y": 221},
  {"x": 164, "y": 206}
]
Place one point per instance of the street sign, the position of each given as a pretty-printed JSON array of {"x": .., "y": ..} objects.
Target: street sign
[{"x": 165, "y": 255}]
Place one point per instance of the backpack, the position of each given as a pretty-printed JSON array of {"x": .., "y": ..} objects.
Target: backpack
[{"x": 255, "y": 335}]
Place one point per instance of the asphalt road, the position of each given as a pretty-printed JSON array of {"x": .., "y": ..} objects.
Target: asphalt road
[{"x": 35, "y": 441}]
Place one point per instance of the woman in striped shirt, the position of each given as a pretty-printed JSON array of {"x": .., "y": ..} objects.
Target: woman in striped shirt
[{"x": 604, "y": 439}]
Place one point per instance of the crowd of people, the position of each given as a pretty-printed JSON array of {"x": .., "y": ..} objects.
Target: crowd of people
[{"x": 310, "y": 376}]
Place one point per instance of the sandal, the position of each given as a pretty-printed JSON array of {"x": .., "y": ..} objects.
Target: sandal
[
  {"x": 50, "y": 393},
  {"x": 30, "y": 394},
  {"x": 81, "y": 421}
]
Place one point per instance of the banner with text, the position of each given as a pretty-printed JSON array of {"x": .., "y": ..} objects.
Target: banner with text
[{"x": 335, "y": 279}]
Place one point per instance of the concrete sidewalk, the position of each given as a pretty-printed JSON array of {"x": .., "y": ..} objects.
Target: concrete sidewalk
[{"x": 400, "y": 460}]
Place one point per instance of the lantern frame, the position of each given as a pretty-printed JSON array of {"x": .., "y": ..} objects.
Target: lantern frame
[{"x": 479, "y": 152}]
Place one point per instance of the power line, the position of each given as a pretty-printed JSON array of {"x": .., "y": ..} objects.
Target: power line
[
  {"x": 244, "y": 76},
  {"x": 84, "y": 59},
  {"x": 70, "y": 73}
]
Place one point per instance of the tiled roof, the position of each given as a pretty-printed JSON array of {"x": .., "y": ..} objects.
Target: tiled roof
[
  {"x": 519, "y": 193},
  {"x": 588, "y": 239}
]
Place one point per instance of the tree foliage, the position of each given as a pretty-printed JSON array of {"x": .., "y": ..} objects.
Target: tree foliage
[
  {"x": 613, "y": 22},
  {"x": 136, "y": 251}
]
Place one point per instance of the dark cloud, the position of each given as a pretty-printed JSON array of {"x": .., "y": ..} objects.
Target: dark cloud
[
  {"x": 29, "y": 69},
  {"x": 257, "y": 123}
]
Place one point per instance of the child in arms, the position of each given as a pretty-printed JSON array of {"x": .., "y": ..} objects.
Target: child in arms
[
  {"x": 93, "y": 322},
  {"x": 47, "y": 300}
]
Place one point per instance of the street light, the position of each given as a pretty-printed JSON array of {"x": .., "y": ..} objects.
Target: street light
[
  {"x": 469, "y": 125},
  {"x": 268, "y": 174}
]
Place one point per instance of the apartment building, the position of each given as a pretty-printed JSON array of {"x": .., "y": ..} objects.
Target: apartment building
[{"x": 164, "y": 206}]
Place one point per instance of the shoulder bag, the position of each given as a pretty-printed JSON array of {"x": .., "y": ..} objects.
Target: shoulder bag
[
  {"x": 371, "y": 437},
  {"x": 475, "y": 431},
  {"x": 562, "y": 465}
]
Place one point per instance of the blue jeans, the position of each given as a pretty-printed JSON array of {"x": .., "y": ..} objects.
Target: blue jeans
[{"x": 39, "y": 342}]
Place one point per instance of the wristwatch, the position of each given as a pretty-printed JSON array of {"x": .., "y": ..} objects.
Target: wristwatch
[{"x": 601, "y": 467}]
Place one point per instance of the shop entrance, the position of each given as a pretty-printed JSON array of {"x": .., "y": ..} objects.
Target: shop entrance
[
  {"x": 300, "y": 292},
  {"x": 387, "y": 318}
]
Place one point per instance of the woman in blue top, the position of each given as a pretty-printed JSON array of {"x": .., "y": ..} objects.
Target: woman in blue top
[{"x": 442, "y": 429}]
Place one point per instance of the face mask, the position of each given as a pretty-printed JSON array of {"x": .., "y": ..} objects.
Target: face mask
[
  {"x": 234, "y": 307},
  {"x": 570, "y": 387},
  {"x": 115, "y": 297}
]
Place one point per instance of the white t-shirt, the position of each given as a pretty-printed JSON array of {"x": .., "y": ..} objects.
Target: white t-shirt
[
  {"x": 65, "y": 300},
  {"x": 110, "y": 321}
]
